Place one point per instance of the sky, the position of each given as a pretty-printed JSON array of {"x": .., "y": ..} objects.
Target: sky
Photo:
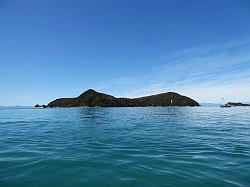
[{"x": 126, "y": 48}]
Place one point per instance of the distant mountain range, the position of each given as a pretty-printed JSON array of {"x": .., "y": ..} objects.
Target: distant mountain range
[
  {"x": 92, "y": 98},
  {"x": 210, "y": 104},
  {"x": 16, "y": 106}
]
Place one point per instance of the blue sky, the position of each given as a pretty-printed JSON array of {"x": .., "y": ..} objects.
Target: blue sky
[{"x": 51, "y": 49}]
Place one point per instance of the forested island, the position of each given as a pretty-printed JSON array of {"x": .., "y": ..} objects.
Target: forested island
[
  {"x": 237, "y": 104},
  {"x": 92, "y": 98}
]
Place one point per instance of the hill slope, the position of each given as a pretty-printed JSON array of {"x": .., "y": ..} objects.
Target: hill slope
[{"x": 91, "y": 98}]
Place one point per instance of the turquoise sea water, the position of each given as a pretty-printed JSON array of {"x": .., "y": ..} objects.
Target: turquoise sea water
[{"x": 125, "y": 147}]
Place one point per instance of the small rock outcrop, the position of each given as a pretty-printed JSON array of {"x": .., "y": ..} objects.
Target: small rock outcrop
[{"x": 38, "y": 106}]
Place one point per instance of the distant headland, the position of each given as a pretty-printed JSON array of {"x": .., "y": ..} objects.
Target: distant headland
[
  {"x": 232, "y": 104},
  {"x": 92, "y": 98}
]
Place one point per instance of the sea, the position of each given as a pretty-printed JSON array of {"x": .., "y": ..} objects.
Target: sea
[{"x": 125, "y": 147}]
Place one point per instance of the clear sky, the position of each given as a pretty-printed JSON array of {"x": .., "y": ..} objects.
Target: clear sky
[{"x": 51, "y": 49}]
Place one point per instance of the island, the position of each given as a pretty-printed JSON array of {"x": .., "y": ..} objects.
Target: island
[
  {"x": 92, "y": 98},
  {"x": 237, "y": 104},
  {"x": 38, "y": 106}
]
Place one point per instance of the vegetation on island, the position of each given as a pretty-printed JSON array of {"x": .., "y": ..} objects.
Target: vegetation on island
[
  {"x": 42, "y": 106},
  {"x": 237, "y": 104},
  {"x": 91, "y": 98}
]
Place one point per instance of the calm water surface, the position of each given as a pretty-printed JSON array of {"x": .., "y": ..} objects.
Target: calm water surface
[{"x": 125, "y": 147}]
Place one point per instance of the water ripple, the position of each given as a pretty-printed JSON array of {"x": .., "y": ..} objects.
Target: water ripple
[{"x": 125, "y": 147}]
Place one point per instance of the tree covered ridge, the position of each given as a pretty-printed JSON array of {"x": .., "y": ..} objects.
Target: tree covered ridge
[{"x": 92, "y": 98}]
